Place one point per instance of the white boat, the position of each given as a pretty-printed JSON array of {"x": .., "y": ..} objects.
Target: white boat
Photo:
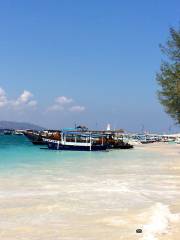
[{"x": 177, "y": 140}]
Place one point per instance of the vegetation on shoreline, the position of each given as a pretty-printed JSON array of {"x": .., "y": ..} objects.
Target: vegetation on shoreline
[{"x": 168, "y": 77}]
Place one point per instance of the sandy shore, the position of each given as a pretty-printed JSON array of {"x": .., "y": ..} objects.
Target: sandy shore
[
  {"x": 168, "y": 149},
  {"x": 172, "y": 152}
]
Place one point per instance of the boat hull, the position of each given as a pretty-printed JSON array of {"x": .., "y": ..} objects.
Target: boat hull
[
  {"x": 56, "y": 146},
  {"x": 35, "y": 139}
]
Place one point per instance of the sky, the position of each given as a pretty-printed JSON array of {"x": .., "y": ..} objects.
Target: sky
[{"x": 66, "y": 62}]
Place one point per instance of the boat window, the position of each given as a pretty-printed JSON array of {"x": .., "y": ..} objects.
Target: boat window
[
  {"x": 70, "y": 138},
  {"x": 82, "y": 139}
]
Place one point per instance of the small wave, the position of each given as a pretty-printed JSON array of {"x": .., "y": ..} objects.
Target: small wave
[{"x": 160, "y": 219}]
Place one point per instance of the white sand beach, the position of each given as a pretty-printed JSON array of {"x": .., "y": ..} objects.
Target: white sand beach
[{"x": 90, "y": 196}]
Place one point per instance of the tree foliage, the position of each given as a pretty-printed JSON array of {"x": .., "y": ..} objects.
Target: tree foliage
[{"x": 168, "y": 77}]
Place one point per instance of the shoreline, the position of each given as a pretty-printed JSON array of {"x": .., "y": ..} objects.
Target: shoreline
[{"x": 167, "y": 149}]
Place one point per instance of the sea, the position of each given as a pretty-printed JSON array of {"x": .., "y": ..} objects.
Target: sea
[{"x": 65, "y": 195}]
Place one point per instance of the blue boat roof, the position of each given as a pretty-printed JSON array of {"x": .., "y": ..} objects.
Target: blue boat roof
[{"x": 69, "y": 129}]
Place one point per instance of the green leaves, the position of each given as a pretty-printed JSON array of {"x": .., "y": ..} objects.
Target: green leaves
[{"x": 168, "y": 77}]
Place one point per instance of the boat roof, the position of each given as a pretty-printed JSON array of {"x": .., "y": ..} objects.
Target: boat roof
[{"x": 83, "y": 134}]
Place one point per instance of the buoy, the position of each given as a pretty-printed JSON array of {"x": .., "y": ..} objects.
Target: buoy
[{"x": 138, "y": 230}]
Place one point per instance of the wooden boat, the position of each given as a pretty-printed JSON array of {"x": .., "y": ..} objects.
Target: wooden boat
[
  {"x": 37, "y": 137},
  {"x": 77, "y": 141},
  {"x": 34, "y": 137},
  {"x": 114, "y": 142}
]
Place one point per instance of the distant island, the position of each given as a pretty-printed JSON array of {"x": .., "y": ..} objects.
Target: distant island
[{"x": 19, "y": 125}]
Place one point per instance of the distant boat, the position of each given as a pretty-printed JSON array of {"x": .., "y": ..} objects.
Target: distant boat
[
  {"x": 177, "y": 140},
  {"x": 145, "y": 139},
  {"x": 8, "y": 132},
  {"x": 134, "y": 142},
  {"x": 18, "y": 133}
]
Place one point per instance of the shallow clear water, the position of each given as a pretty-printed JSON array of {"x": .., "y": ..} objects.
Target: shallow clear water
[{"x": 54, "y": 195}]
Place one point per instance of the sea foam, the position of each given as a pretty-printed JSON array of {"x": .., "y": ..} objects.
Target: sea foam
[{"x": 160, "y": 220}]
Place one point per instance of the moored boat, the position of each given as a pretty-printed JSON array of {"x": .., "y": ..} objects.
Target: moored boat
[{"x": 77, "y": 141}]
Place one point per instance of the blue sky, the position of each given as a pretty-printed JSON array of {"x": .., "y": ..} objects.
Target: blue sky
[{"x": 88, "y": 62}]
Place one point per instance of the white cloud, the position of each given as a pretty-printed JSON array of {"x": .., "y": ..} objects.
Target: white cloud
[
  {"x": 23, "y": 101},
  {"x": 25, "y": 96},
  {"x": 32, "y": 103},
  {"x": 3, "y": 98},
  {"x": 62, "y": 100},
  {"x": 60, "y": 103},
  {"x": 65, "y": 103},
  {"x": 26, "y": 100},
  {"x": 77, "y": 109}
]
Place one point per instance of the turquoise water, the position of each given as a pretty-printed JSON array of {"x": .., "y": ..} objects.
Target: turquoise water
[{"x": 86, "y": 195}]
